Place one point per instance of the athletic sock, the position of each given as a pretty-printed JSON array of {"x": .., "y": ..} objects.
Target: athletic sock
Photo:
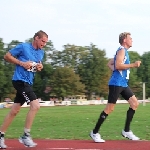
[
  {"x": 2, "y": 134},
  {"x": 100, "y": 121},
  {"x": 26, "y": 132},
  {"x": 130, "y": 114}
]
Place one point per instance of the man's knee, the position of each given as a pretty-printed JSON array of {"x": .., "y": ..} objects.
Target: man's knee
[
  {"x": 109, "y": 108},
  {"x": 135, "y": 106},
  {"x": 133, "y": 102},
  {"x": 14, "y": 112},
  {"x": 15, "y": 109},
  {"x": 34, "y": 105}
]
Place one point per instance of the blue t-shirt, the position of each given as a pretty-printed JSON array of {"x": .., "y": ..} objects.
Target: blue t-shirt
[
  {"x": 120, "y": 77},
  {"x": 25, "y": 52}
]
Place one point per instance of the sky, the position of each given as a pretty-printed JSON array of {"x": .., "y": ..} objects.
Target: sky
[{"x": 78, "y": 22}]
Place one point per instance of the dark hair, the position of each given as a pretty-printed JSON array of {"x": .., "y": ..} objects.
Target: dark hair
[
  {"x": 122, "y": 36},
  {"x": 40, "y": 34}
]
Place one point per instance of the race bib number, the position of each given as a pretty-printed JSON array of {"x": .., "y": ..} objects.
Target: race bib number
[
  {"x": 128, "y": 73},
  {"x": 33, "y": 67}
]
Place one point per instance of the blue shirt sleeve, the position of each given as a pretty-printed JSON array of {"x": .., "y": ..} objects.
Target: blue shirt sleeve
[{"x": 16, "y": 51}]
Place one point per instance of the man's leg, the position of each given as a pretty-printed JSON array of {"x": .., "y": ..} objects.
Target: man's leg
[
  {"x": 10, "y": 116},
  {"x": 26, "y": 138},
  {"x": 7, "y": 121},
  {"x": 129, "y": 117},
  {"x": 34, "y": 107},
  {"x": 132, "y": 100},
  {"x": 114, "y": 92},
  {"x": 109, "y": 108}
]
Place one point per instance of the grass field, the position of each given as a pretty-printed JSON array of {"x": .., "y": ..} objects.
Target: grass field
[{"x": 75, "y": 122}]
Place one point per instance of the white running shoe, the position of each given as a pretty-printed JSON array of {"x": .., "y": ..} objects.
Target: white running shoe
[
  {"x": 2, "y": 143},
  {"x": 130, "y": 135},
  {"x": 96, "y": 137},
  {"x": 27, "y": 141}
]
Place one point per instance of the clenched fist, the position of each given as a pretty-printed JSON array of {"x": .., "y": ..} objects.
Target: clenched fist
[{"x": 137, "y": 64}]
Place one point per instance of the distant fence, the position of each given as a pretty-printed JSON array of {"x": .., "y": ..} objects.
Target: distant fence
[
  {"x": 73, "y": 102},
  {"x": 96, "y": 102}
]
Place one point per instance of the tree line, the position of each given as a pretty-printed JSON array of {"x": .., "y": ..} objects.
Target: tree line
[{"x": 75, "y": 70}]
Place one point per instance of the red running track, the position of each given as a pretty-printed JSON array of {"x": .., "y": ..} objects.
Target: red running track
[{"x": 80, "y": 145}]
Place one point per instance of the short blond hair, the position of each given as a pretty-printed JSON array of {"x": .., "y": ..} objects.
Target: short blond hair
[{"x": 122, "y": 36}]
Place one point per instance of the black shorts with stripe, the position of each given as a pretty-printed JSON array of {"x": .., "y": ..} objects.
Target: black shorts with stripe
[
  {"x": 115, "y": 91},
  {"x": 24, "y": 92}
]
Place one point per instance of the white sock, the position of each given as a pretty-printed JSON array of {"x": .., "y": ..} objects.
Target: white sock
[
  {"x": 27, "y": 131},
  {"x": 2, "y": 132}
]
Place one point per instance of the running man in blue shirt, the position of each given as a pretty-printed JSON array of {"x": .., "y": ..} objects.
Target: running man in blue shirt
[
  {"x": 118, "y": 84},
  {"x": 27, "y": 57}
]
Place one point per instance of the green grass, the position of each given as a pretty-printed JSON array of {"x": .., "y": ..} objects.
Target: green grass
[{"x": 75, "y": 122}]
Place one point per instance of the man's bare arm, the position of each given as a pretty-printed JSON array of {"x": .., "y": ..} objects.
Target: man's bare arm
[
  {"x": 8, "y": 57},
  {"x": 119, "y": 61}
]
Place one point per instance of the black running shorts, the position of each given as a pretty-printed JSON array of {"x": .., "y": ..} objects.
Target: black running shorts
[
  {"x": 24, "y": 92},
  {"x": 115, "y": 91}
]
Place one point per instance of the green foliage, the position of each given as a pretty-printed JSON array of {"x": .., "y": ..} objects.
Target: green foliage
[
  {"x": 5, "y": 74},
  {"x": 69, "y": 57},
  {"x": 1, "y": 50},
  {"x": 93, "y": 71},
  {"x": 65, "y": 82},
  {"x": 144, "y": 71}
]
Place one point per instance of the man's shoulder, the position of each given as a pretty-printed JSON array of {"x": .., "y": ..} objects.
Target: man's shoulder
[
  {"x": 26, "y": 44},
  {"x": 120, "y": 48}
]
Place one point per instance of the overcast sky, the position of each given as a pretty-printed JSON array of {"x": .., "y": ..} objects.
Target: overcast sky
[{"x": 78, "y": 22}]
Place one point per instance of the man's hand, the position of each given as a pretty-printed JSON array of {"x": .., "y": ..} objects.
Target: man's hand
[
  {"x": 111, "y": 64},
  {"x": 39, "y": 66},
  {"x": 137, "y": 64},
  {"x": 27, "y": 65}
]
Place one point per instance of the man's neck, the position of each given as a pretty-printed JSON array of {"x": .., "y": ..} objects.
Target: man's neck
[
  {"x": 125, "y": 46},
  {"x": 34, "y": 45}
]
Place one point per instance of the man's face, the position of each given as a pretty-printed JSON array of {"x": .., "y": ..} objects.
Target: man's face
[
  {"x": 41, "y": 42},
  {"x": 128, "y": 41}
]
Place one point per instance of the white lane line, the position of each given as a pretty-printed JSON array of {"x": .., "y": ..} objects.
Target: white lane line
[
  {"x": 88, "y": 149},
  {"x": 60, "y": 148},
  {"x": 53, "y": 148},
  {"x": 71, "y": 149}
]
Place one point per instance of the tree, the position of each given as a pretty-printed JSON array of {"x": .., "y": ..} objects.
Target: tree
[
  {"x": 65, "y": 82},
  {"x": 5, "y": 74},
  {"x": 69, "y": 57},
  {"x": 93, "y": 71},
  {"x": 144, "y": 71}
]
